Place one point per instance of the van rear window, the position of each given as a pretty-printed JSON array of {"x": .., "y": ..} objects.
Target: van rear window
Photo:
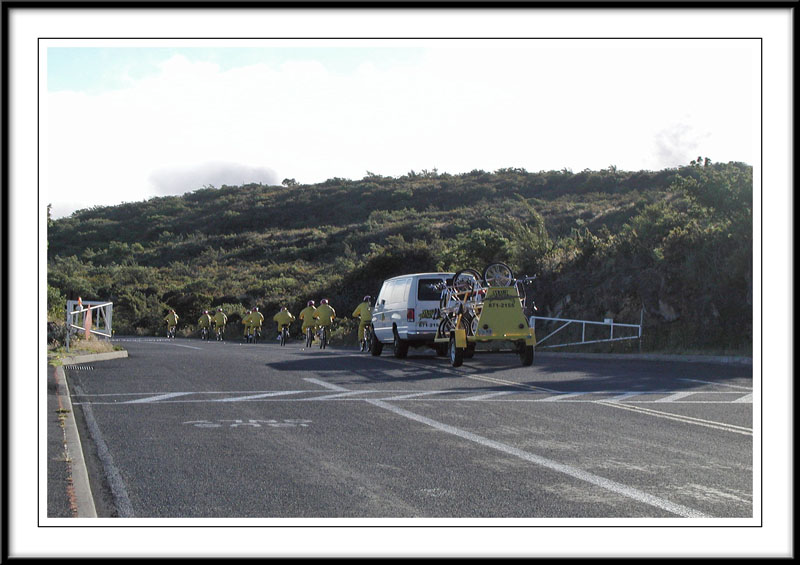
[{"x": 427, "y": 289}]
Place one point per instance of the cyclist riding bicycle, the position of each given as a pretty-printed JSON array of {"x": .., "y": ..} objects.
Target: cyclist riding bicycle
[
  {"x": 325, "y": 315},
  {"x": 364, "y": 313},
  {"x": 172, "y": 322},
  {"x": 283, "y": 318},
  {"x": 220, "y": 319},
  {"x": 307, "y": 317},
  {"x": 204, "y": 322},
  {"x": 246, "y": 323},
  {"x": 256, "y": 319}
]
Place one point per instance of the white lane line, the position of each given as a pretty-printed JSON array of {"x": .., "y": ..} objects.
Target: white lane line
[
  {"x": 330, "y": 386},
  {"x": 339, "y": 395},
  {"x": 187, "y": 346},
  {"x": 156, "y": 398},
  {"x": 713, "y": 383},
  {"x": 562, "y": 396},
  {"x": 457, "y": 373},
  {"x": 680, "y": 418},
  {"x": 746, "y": 398},
  {"x": 254, "y": 396},
  {"x": 576, "y": 473},
  {"x": 512, "y": 383},
  {"x": 676, "y": 396},
  {"x": 417, "y": 394},
  {"x": 626, "y": 395},
  {"x": 490, "y": 395}
]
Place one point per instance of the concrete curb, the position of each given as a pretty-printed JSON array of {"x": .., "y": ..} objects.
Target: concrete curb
[
  {"x": 730, "y": 360},
  {"x": 89, "y": 358},
  {"x": 84, "y": 501}
]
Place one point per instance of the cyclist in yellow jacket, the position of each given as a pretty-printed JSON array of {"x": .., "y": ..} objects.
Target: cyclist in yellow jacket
[
  {"x": 364, "y": 313},
  {"x": 283, "y": 318},
  {"x": 246, "y": 323},
  {"x": 220, "y": 319},
  {"x": 256, "y": 319},
  {"x": 307, "y": 317},
  {"x": 172, "y": 322},
  {"x": 325, "y": 314},
  {"x": 204, "y": 322}
]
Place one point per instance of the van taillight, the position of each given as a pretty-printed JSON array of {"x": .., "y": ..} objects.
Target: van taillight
[{"x": 410, "y": 315}]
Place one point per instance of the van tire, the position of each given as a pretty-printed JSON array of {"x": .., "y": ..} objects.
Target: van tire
[
  {"x": 375, "y": 346},
  {"x": 400, "y": 346}
]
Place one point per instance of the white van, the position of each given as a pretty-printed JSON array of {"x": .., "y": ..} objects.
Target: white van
[{"x": 406, "y": 312}]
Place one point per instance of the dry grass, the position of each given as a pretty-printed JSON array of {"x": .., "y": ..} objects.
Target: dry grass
[{"x": 80, "y": 347}]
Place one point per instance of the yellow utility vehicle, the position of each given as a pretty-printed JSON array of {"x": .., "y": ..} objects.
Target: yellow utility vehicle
[{"x": 481, "y": 309}]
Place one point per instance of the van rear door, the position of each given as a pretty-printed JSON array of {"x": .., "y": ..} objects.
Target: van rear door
[
  {"x": 391, "y": 309},
  {"x": 426, "y": 308}
]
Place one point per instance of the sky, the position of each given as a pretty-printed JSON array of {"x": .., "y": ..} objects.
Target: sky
[{"x": 124, "y": 124}]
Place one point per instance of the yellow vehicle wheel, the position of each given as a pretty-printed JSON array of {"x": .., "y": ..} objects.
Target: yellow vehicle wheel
[
  {"x": 456, "y": 353},
  {"x": 526, "y": 355}
]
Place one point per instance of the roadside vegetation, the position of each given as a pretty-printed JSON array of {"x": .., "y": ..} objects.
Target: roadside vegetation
[{"x": 675, "y": 246}]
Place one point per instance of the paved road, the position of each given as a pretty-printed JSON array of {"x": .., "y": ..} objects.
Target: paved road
[{"x": 185, "y": 428}]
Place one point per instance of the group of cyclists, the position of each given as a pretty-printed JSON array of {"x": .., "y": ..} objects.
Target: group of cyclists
[{"x": 316, "y": 323}]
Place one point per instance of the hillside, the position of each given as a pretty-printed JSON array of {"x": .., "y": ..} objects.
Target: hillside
[{"x": 677, "y": 242}]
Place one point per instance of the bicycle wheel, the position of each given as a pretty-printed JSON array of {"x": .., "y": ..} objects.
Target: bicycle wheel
[
  {"x": 466, "y": 280},
  {"x": 498, "y": 274}
]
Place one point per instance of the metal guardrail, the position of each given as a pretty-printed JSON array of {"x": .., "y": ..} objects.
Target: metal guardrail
[
  {"x": 90, "y": 317},
  {"x": 611, "y": 324}
]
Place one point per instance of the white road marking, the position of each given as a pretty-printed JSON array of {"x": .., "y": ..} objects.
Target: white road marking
[
  {"x": 676, "y": 396},
  {"x": 187, "y": 346},
  {"x": 680, "y": 418},
  {"x": 325, "y": 384},
  {"x": 338, "y": 395},
  {"x": 625, "y": 395},
  {"x": 558, "y": 397},
  {"x": 495, "y": 396},
  {"x": 574, "y": 472},
  {"x": 512, "y": 383},
  {"x": 417, "y": 394},
  {"x": 490, "y": 395},
  {"x": 156, "y": 398},
  {"x": 255, "y": 396},
  {"x": 713, "y": 383}
]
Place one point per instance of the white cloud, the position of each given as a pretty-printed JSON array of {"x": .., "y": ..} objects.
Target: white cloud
[{"x": 545, "y": 107}]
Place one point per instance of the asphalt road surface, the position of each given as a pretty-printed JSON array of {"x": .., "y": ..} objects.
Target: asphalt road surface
[{"x": 185, "y": 428}]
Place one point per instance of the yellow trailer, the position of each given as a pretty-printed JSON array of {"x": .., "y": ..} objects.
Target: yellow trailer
[{"x": 473, "y": 313}]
